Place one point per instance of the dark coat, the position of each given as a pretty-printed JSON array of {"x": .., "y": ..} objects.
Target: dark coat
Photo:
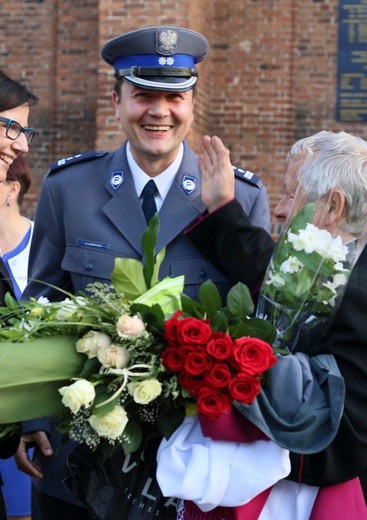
[{"x": 242, "y": 252}]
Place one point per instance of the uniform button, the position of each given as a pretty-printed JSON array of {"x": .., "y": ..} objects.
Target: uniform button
[
  {"x": 89, "y": 267},
  {"x": 203, "y": 274}
]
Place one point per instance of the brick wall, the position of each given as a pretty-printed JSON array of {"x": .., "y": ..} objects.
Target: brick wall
[{"x": 269, "y": 78}]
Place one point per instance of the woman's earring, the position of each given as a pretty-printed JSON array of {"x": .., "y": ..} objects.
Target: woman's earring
[{"x": 8, "y": 202}]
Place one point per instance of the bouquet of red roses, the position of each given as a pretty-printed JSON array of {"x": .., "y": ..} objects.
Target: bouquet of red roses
[{"x": 214, "y": 367}]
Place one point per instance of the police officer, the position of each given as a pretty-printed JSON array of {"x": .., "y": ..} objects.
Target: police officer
[{"x": 95, "y": 206}]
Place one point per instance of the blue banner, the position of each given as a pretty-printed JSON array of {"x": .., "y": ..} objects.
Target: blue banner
[{"x": 351, "y": 103}]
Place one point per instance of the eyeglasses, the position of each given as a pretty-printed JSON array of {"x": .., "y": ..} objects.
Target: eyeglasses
[{"x": 13, "y": 130}]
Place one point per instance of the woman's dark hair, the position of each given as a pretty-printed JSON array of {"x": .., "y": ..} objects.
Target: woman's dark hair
[
  {"x": 20, "y": 171},
  {"x": 13, "y": 94}
]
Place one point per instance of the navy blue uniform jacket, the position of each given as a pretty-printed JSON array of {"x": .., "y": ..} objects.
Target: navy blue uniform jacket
[{"x": 88, "y": 214}]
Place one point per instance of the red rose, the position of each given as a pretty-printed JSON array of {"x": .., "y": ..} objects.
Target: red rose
[
  {"x": 211, "y": 403},
  {"x": 192, "y": 331},
  {"x": 244, "y": 388},
  {"x": 253, "y": 355},
  {"x": 218, "y": 376},
  {"x": 220, "y": 346},
  {"x": 173, "y": 358},
  {"x": 197, "y": 362},
  {"x": 190, "y": 383},
  {"x": 170, "y": 328}
]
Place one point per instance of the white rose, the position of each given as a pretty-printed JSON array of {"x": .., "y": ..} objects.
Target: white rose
[
  {"x": 80, "y": 393},
  {"x": 91, "y": 342},
  {"x": 112, "y": 424},
  {"x": 145, "y": 391},
  {"x": 113, "y": 357},
  {"x": 128, "y": 326}
]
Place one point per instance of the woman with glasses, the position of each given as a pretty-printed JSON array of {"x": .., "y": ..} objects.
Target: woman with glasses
[{"x": 15, "y": 136}]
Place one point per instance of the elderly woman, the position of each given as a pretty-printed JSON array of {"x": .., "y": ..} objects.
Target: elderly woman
[{"x": 15, "y": 136}]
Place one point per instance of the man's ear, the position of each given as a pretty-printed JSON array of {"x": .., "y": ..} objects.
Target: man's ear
[{"x": 336, "y": 208}]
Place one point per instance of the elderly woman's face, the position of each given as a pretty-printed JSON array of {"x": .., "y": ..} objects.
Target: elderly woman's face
[{"x": 9, "y": 148}]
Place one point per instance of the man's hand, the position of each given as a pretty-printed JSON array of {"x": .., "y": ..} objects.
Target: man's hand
[
  {"x": 217, "y": 185},
  {"x": 21, "y": 457}
]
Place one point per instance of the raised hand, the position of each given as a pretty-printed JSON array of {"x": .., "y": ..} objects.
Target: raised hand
[{"x": 217, "y": 184}]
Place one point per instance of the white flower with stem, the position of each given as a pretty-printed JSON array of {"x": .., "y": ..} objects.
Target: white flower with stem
[
  {"x": 113, "y": 356},
  {"x": 129, "y": 326},
  {"x": 78, "y": 394},
  {"x": 291, "y": 265},
  {"x": 92, "y": 342},
  {"x": 110, "y": 425},
  {"x": 143, "y": 392}
]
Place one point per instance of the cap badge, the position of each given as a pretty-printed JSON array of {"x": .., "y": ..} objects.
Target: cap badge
[
  {"x": 117, "y": 178},
  {"x": 166, "y": 61},
  {"x": 166, "y": 41},
  {"x": 188, "y": 184}
]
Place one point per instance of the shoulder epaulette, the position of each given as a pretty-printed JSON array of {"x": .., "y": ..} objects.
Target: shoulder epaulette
[
  {"x": 80, "y": 157},
  {"x": 246, "y": 175}
]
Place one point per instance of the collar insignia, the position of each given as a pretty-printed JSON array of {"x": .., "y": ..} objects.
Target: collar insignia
[
  {"x": 188, "y": 184},
  {"x": 117, "y": 178}
]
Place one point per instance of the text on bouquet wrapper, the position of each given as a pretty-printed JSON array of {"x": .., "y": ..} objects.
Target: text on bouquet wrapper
[{"x": 170, "y": 502}]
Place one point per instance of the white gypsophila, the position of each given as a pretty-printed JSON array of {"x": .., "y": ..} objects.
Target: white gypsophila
[
  {"x": 113, "y": 356},
  {"x": 129, "y": 326},
  {"x": 291, "y": 265},
  {"x": 66, "y": 311},
  {"x": 146, "y": 391},
  {"x": 311, "y": 239},
  {"x": 112, "y": 424},
  {"x": 25, "y": 325},
  {"x": 68, "y": 308},
  {"x": 78, "y": 394},
  {"x": 42, "y": 300},
  {"x": 91, "y": 342}
]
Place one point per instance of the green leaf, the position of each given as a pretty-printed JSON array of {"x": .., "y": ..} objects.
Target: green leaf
[
  {"x": 149, "y": 243},
  {"x": 191, "y": 307},
  {"x": 210, "y": 298},
  {"x": 158, "y": 262},
  {"x": 168, "y": 421},
  {"x": 11, "y": 302},
  {"x": 166, "y": 293},
  {"x": 128, "y": 278},
  {"x": 303, "y": 217},
  {"x": 261, "y": 329},
  {"x": 219, "y": 322},
  {"x": 239, "y": 301},
  {"x": 90, "y": 368},
  {"x": 44, "y": 365},
  {"x": 239, "y": 329},
  {"x": 102, "y": 395},
  {"x": 152, "y": 315},
  {"x": 134, "y": 434}
]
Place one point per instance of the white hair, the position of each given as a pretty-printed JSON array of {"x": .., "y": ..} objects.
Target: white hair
[{"x": 335, "y": 160}]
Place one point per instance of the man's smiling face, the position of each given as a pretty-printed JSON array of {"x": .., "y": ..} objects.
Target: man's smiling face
[{"x": 155, "y": 122}]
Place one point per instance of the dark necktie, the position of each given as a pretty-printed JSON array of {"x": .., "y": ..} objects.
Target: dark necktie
[{"x": 149, "y": 207}]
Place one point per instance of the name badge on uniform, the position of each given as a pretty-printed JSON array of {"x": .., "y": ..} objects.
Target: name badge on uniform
[
  {"x": 117, "y": 178},
  {"x": 188, "y": 184}
]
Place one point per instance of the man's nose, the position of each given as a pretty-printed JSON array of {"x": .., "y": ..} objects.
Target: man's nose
[{"x": 159, "y": 108}]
